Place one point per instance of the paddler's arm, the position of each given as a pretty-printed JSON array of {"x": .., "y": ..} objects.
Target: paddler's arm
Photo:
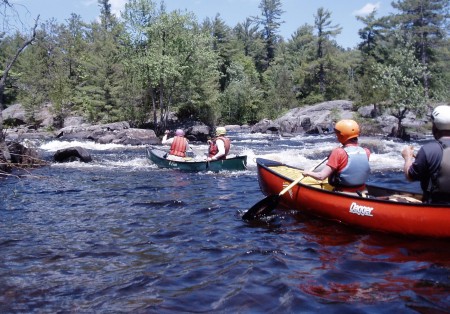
[
  {"x": 165, "y": 140},
  {"x": 188, "y": 147},
  {"x": 321, "y": 175},
  {"x": 408, "y": 155},
  {"x": 221, "y": 150}
]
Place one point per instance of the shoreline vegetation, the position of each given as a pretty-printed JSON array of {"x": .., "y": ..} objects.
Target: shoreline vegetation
[
  {"x": 131, "y": 76},
  {"x": 316, "y": 119}
]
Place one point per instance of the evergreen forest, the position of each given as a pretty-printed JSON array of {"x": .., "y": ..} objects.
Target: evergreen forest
[{"x": 149, "y": 62}]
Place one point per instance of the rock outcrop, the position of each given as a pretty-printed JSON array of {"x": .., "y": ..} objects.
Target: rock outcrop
[
  {"x": 314, "y": 119},
  {"x": 70, "y": 154},
  {"x": 320, "y": 119},
  {"x": 116, "y": 133},
  {"x": 14, "y": 155}
]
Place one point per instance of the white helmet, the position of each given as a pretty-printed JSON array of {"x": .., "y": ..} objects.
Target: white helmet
[
  {"x": 441, "y": 117},
  {"x": 221, "y": 131}
]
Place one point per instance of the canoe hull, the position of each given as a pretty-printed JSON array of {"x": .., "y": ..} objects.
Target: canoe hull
[
  {"x": 412, "y": 219},
  {"x": 230, "y": 164}
]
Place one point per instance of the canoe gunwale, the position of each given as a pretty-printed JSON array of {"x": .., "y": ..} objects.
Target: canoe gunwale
[
  {"x": 235, "y": 163},
  {"x": 337, "y": 194}
]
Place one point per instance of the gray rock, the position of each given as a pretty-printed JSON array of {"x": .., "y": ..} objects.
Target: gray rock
[
  {"x": 265, "y": 126},
  {"x": 14, "y": 115},
  {"x": 44, "y": 117},
  {"x": 320, "y": 119},
  {"x": 74, "y": 121},
  {"x": 22, "y": 155},
  {"x": 106, "y": 139},
  {"x": 198, "y": 132},
  {"x": 233, "y": 128},
  {"x": 75, "y": 153},
  {"x": 315, "y": 119},
  {"x": 91, "y": 132},
  {"x": 5, "y": 157},
  {"x": 136, "y": 137},
  {"x": 367, "y": 111}
]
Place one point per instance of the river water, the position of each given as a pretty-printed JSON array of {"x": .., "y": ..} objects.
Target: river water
[{"x": 120, "y": 235}]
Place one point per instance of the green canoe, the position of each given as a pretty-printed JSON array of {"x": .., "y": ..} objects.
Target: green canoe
[{"x": 157, "y": 156}]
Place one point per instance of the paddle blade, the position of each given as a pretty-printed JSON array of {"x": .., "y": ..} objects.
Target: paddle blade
[{"x": 263, "y": 208}]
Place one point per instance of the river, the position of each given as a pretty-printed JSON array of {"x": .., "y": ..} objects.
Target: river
[{"x": 119, "y": 235}]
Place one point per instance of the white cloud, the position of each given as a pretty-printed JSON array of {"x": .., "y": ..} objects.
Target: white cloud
[
  {"x": 89, "y": 2},
  {"x": 117, "y": 6},
  {"x": 367, "y": 9}
]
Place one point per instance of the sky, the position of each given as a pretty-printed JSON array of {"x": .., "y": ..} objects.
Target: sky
[{"x": 296, "y": 12}]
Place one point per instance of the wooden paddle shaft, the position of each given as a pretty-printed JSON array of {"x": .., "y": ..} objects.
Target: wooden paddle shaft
[{"x": 290, "y": 186}]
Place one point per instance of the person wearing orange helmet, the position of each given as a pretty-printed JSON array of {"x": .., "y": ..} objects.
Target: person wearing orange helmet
[
  {"x": 431, "y": 165},
  {"x": 347, "y": 168},
  {"x": 178, "y": 145}
]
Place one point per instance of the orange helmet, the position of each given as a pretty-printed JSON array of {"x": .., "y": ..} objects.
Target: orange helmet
[{"x": 346, "y": 129}]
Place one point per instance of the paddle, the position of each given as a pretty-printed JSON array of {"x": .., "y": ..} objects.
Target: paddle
[{"x": 268, "y": 204}]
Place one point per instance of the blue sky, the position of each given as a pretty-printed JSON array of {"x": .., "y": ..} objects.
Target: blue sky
[{"x": 297, "y": 12}]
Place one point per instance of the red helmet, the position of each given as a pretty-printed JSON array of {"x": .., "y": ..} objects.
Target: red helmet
[{"x": 346, "y": 129}]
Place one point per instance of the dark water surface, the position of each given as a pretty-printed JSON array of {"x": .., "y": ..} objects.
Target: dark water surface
[{"x": 120, "y": 235}]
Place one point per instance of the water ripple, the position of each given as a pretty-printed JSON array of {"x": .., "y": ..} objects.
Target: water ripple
[{"x": 120, "y": 235}]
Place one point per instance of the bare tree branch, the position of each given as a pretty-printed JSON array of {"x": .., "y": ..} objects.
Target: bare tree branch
[
  {"x": 13, "y": 60},
  {"x": 4, "y": 153}
]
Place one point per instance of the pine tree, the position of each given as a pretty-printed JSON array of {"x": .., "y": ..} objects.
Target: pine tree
[
  {"x": 271, "y": 11},
  {"x": 427, "y": 22},
  {"x": 101, "y": 68},
  {"x": 324, "y": 32}
]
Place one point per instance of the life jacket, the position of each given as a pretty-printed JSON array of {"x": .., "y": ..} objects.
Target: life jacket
[
  {"x": 213, "y": 149},
  {"x": 178, "y": 147},
  {"x": 439, "y": 187},
  {"x": 357, "y": 170}
]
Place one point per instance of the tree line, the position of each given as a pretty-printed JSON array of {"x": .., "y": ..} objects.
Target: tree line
[{"x": 149, "y": 62}]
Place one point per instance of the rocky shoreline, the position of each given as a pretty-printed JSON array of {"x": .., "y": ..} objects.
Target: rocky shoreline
[{"x": 314, "y": 119}]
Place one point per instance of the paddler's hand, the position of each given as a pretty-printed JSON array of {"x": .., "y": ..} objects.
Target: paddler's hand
[{"x": 408, "y": 152}]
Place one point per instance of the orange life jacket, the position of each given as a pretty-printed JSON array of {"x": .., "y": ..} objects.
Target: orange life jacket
[
  {"x": 178, "y": 147},
  {"x": 213, "y": 149}
]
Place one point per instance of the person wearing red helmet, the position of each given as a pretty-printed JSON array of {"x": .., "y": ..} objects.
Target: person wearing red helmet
[
  {"x": 178, "y": 145},
  {"x": 431, "y": 165},
  {"x": 347, "y": 168}
]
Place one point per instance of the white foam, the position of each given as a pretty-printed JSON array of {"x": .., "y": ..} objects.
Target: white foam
[
  {"x": 56, "y": 145},
  {"x": 135, "y": 163},
  {"x": 303, "y": 152}
]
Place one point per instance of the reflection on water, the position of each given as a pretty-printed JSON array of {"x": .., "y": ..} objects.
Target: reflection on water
[{"x": 120, "y": 235}]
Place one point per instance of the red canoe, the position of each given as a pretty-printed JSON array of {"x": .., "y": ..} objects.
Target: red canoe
[{"x": 385, "y": 210}]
